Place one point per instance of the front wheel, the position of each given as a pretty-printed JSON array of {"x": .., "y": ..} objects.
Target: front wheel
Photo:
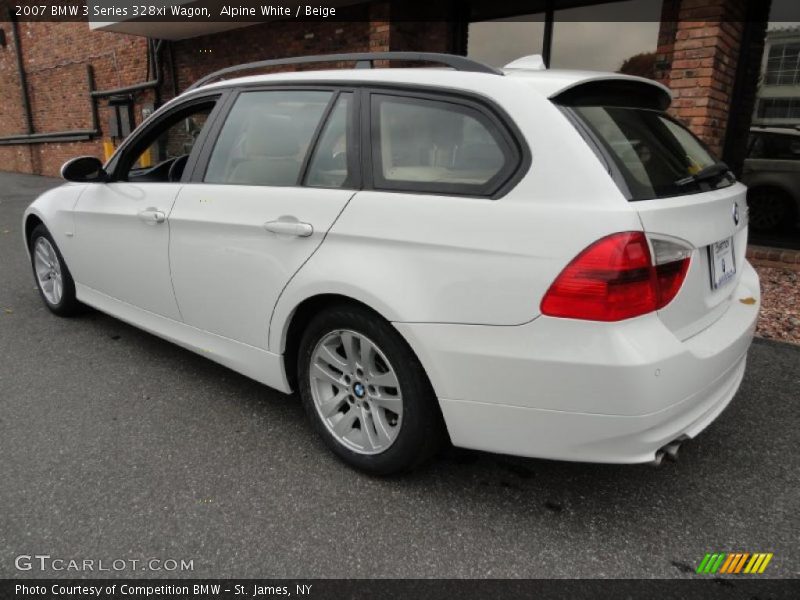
[
  {"x": 366, "y": 392},
  {"x": 52, "y": 276}
]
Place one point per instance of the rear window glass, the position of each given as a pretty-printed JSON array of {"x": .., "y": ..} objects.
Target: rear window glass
[{"x": 656, "y": 155}]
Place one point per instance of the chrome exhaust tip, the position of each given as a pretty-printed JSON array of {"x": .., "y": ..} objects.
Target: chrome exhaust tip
[
  {"x": 668, "y": 452},
  {"x": 658, "y": 460},
  {"x": 671, "y": 451}
]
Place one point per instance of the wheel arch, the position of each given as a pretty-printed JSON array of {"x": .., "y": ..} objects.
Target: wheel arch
[
  {"x": 31, "y": 221},
  {"x": 305, "y": 310},
  {"x": 298, "y": 320}
]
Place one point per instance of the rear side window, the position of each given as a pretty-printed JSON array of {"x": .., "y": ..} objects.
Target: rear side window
[
  {"x": 265, "y": 138},
  {"x": 425, "y": 145},
  {"x": 656, "y": 155}
]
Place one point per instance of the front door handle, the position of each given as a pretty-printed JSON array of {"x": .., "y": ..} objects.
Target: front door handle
[
  {"x": 289, "y": 226},
  {"x": 151, "y": 216}
]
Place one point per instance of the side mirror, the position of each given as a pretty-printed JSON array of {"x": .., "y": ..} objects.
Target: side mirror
[{"x": 84, "y": 169}]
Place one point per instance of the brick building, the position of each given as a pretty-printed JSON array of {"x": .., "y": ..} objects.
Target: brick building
[{"x": 70, "y": 89}]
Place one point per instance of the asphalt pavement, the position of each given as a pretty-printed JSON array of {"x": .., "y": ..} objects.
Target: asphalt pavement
[{"x": 116, "y": 445}]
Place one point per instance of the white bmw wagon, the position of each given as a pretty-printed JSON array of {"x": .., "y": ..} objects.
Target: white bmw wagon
[{"x": 524, "y": 261}]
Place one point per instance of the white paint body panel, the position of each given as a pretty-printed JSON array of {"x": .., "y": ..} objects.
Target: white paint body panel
[
  {"x": 461, "y": 279},
  {"x": 120, "y": 255},
  {"x": 587, "y": 391},
  {"x": 227, "y": 269}
]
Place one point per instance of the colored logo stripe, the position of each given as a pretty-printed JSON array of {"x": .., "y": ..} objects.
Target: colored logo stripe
[{"x": 734, "y": 562}]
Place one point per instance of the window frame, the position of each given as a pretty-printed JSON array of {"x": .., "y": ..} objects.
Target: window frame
[
  {"x": 360, "y": 168},
  {"x": 517, "y": 156},
  {"x": 353, "y": 181},
  {"x": 132, "y": 146}
]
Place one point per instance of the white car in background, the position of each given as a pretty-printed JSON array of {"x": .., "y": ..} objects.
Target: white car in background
[{"x": 539, "y": 263}]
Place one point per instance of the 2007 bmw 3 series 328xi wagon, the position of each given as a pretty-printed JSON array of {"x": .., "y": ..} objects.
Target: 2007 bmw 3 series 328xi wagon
[{"x": 525, "y": 261}]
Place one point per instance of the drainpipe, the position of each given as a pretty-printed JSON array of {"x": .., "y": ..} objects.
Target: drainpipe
[
  {"x": 23, "y": 80},
  {"x": 146, "y": 85},
  {"x": 75, "y": 135},
  {"x": 172, "y": 71},
  {"x": 547, "y": 42}
]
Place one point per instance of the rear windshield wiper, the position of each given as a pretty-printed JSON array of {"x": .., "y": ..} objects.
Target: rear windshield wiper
[{"x": 709, "y": 173}]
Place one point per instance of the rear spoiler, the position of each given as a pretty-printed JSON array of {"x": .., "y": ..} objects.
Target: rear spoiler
[{"x": 625, "y": 92}]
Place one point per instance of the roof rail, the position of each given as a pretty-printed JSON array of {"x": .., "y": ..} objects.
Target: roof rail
[{"x": 363, "y": 60}]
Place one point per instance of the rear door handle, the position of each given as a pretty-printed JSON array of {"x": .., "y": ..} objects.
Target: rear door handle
[
  {"x": 289, "y": 226},
  {"x": 151, "y": 216}
]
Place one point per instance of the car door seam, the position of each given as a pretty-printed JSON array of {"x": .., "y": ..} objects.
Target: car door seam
[
  {"x": 169, "y": 251},
  {"x": 303, "y": 264}
]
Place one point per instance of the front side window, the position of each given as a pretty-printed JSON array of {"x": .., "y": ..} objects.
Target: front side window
[
  {"x": 436, "y": 146},
  {"x": 161, "y": 154},
  {"x": 656, "y": 155},
  {"x": 266, "y": 136}
]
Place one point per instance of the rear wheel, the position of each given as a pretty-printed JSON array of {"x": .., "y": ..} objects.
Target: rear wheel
[
  {"x": 52, "y": 276},
  {"x": 366, "y": 393},
  {"x": 770, "y": 209}
]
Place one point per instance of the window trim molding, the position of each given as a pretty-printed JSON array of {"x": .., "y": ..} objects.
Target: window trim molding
[{"x": 352, "y": 133}]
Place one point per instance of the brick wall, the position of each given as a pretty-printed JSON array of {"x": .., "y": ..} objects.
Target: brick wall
[
  {"x": 700, "y": 63},
  {"x": 199, "y": 56},
  {"x": 55, "y": 58},
  {"x": 697, "y": 57}
]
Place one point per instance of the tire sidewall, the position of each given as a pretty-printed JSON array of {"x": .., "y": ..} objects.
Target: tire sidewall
[
  {"x": 419, "y": 421},
  {"x": 68, "y": 301}
]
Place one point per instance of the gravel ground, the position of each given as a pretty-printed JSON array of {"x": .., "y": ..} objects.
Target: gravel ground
[{"x": 780, "y": 304}]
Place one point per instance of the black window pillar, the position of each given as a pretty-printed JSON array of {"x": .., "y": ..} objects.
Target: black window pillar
[{"x": 547, "y": 42}]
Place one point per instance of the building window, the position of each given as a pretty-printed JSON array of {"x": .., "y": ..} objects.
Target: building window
[
  {"x": 779, "y": 108},
  {"x": 783, "y": 65}
]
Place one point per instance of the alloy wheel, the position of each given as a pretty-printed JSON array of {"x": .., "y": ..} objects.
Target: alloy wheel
[
  {"x": 48, "y": 271},
  {"x": 356, "y": 392}
]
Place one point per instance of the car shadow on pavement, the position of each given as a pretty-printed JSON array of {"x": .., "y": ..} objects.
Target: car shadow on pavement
[{"x": 555, "y": 488}]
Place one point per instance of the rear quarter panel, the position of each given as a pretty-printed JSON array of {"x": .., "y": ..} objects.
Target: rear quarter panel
[{"x": 447, "y": 259}]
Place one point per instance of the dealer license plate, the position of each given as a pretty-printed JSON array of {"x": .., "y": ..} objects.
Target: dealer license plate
[{"x": 722, "y": 262}]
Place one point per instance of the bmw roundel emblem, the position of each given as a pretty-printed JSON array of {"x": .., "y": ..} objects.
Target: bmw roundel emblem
[
  {"x": 358, "y": 388},
  {"x": 735, "y": 213}
]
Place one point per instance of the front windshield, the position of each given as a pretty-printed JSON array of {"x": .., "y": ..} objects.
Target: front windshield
[{"x": 655, "y": 154}]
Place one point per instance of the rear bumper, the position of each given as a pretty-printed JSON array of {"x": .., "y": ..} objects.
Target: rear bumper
[{"x": 585, "y": 391}]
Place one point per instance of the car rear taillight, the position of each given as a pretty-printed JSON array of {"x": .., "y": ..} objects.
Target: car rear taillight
[{"x": 617, "y": 278}]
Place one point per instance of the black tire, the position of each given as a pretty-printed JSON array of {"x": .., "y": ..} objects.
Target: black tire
[
  {"x": 68, "y": 304},
  {"x": 770, "y": 209},
  {"x": 421, "y": 430}
]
